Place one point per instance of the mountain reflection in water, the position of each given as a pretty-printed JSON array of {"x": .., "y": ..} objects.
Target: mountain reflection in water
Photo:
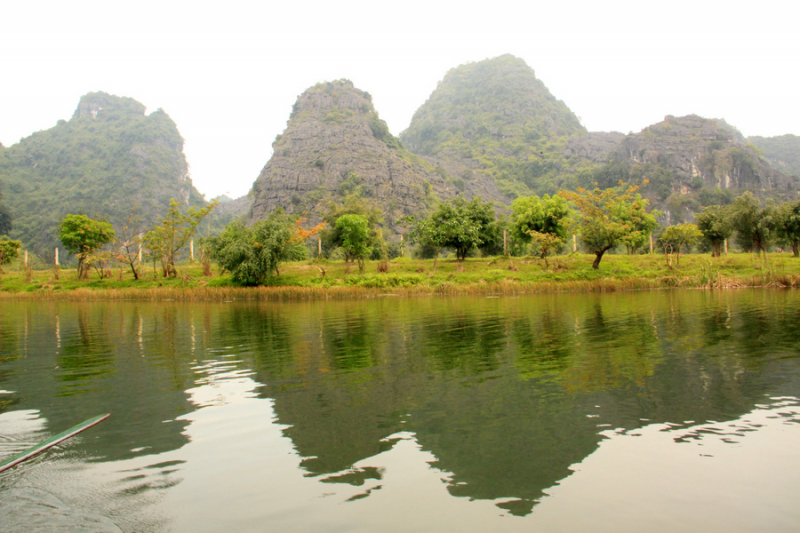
[{"x": 500, "y": 400}]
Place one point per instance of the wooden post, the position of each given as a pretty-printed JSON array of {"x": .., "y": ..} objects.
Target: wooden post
[
  {"x": 505, "y": 242},
  {"x": 574, "y": 243},
  {"x": 726, "y": 246},
  {"x": 26, "y": 258},
  {"x": 319, "y": 246},
  {"x": 191, "y": 250},
  {"x": 651, "y": 244},
  {"x": 56, "y": 256}
]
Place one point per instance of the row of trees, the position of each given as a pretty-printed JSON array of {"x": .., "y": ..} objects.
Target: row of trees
[
  {"x": 602, "y": 218},
  {"x": 756, "y": 226},
  {"x": 86, "y": 238}
]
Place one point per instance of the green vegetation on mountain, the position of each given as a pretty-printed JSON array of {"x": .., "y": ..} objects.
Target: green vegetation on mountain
[
  {"x": 497, "y": 118},
  {"x": 782, "y": 152},
  {"x": 108, "y": 160}
]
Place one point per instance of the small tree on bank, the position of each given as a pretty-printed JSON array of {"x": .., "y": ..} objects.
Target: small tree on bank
[
  {"x": 173, "y": 233},
  {"x": 789, "y": 225},
  {"x": 609, "y": 218},
  {"x": 755, "y": 226},
  {"x": 715, "y": 224},
  {"x": 540, "y": 221},
  {"x": 679, "y": 236},
  {"x": 82, "y": 236},
  {"x": 355, "y": 235},
  {"x": 253, "y": 254},
  {"x": 9, "y": 250}
]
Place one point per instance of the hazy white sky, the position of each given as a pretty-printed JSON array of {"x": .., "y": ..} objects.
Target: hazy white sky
[{"x": 228, "y": 72}]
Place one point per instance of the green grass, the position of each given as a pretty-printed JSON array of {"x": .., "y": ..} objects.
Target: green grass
[{"x": 303, "y": 280}]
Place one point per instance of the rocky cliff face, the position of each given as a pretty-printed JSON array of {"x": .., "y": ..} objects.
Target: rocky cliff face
[
  {"x": 694, "y": 147},
  {"x": 594, "y": 146},
  {"x": 334, "y": 145}
]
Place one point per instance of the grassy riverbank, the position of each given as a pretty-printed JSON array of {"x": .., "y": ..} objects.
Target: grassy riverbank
[{"x": 406, "y": 277}]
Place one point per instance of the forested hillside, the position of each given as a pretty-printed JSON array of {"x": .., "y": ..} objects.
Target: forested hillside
[
  {"x": 782, "y": 152},
  {"x": 495, "y": 118},
  {"x": 108, "y": 161}
]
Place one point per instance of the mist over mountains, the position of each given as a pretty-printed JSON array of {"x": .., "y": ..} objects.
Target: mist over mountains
[{"x": 489, "y": 129}]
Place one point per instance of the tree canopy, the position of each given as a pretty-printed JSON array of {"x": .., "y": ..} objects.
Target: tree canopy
[
  {"x": 755, "y": 226},
  {"x": 714, "y": 222},
  {"x": 252, "y": 254},
  {"x": 676, "y": 237},
  {"x": 173, "y": 233},
  {"x": 82, "y": 236},
  {"x": 355, "y": 233},
  {"x": 608, "y": 218}
]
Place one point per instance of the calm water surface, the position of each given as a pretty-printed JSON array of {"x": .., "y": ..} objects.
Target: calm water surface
[{"x": 653, "y": 411}]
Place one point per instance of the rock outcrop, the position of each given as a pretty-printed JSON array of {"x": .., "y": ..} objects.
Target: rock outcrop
[{"x": 695, "y": 147}]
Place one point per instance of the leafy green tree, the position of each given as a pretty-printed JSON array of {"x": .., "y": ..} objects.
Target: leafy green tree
[
  {"x": 251, "y": 254},
  {"x": 755, "y": 226},
  {"x": 608, "y": 218},
  {"x": 541, "y": 215},
  {"x": 468, "y": 224},
  {"x": 355, "y": 234},
  {"x": 82, "y": 236},
  {"x": 634, "y": 213},
  {"x": 789, "y": 225},
  {"x": 173, "y": 233},
  {"x": 435, "y": 234},
  {"x": 9, "y": 250},
  {"x": 678, "y": 236},
  {"x": 331, "y": 235},
  {"x": 715, "y": 224}
]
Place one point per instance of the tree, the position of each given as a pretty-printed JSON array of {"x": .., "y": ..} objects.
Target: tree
[
  {"x": 353, "y": 205},
  {"x": 5, "y": 217},
  {"x": 715, "y": 224},
  {"x": 608, "y": 218},
  {"x": 789, "y": 225},
  {"x": 642, "y": 223},
  {"x": 755, "y": 226},
  {"x": 676, "y": 237},
  {"x": 540, "y": 215},
  {"x": 464, "y": 225},
  {"x": 355, "y": 233},
  {"x": 435, "y": 234},
  {"x": 252, "y": 254},
  {"x": 82, "y": 236},
  {"x": 173, "y": 233},
  {"x": 544, "y": 243},
  {"x": 128, "y": 243},
  {"x": 9, "y": 250}
]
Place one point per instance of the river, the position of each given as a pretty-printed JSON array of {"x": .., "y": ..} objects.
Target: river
[{"x": 641, "y": 411}]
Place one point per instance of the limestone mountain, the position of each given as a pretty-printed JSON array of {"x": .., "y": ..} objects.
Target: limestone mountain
[
  {"x": 782, "y": 152},
  {"x": 689, "y": 162},
  {"x": 494, "y": 118},
  {"x": 335, "y": 144},
  {"x": 107, "y": 160}
]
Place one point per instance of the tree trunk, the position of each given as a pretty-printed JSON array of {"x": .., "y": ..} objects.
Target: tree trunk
[
  {"x": 796, "y": 248},
  {"x": 598, "y": 256}
]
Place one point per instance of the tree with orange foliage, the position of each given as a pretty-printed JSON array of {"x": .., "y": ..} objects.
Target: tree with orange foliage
[{"x": 609, "y": 218}]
